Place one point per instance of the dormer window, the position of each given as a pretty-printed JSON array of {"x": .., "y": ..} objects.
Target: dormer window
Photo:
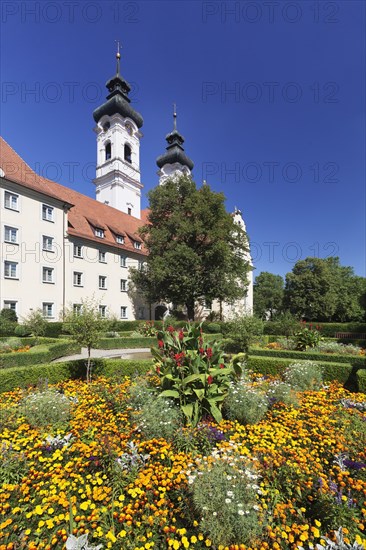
[
  {"x": 137, "y": 245},
  {"x": 119, "y": 239},
  {"x": 99, "y": 233},
  {"x": 128, "y": 153},
  {"x": 108, "y": 151}
]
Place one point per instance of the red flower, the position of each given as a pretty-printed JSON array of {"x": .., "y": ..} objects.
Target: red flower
[
  {"x": 222, "y": 366},
  {"x": 209, "y": 379},
  {"x": 179, "y": 357},
  {"x": 201, "y": 350},
  {"x": 181, "y": 335},
  {"x": 171, "y": 329},
  {"x": 209, "y": 353},
  {"x": 158, "y": 370},
  {"x": 160, "y": 344}
]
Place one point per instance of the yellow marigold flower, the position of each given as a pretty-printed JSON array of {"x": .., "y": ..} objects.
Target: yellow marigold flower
[
  {"x": 122, "y": 534},
  {"x": 208, "y": 542},
  {"x": 317, "y": 523},
  {"x": 303, "y": 537},
  {"x": 315, "y": 532},
  {"x": 84, "y": 505},
  {"x": 193, "y": 539},
  {"x": 111, "y": 536}
]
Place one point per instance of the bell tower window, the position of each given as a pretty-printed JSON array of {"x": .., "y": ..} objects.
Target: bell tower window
[
  {"x": 108, "y": 151},
  {"x": 127, "y": 153}
]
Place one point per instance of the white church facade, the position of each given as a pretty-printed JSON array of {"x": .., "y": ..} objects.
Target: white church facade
[{"x": 59, "y": 246}]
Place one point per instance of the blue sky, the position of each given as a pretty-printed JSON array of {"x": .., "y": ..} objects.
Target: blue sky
[{"x": 270, "y": 96}]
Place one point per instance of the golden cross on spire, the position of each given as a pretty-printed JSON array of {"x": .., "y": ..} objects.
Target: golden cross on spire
[{"x": 118, "y": 55}]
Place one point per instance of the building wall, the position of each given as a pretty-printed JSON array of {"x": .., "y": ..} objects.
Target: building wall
[{"x": 28, "y": 288}]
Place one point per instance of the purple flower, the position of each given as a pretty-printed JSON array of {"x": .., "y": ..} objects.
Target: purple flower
[{"x": 354, "y": 465}]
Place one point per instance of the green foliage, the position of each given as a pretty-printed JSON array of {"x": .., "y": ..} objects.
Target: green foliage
[
  {"x": 312, "y": 355},
  {"x": 10, "y": 344},
  {"x": 13, "y": 464},
  {"x": 194, "y": 246},
  {"x": 45, "y": 408},
  {"x": 242, "y": 331},
  {"x": 268, "y": 290},
  {"x": 35, "y": 323},
  {"x": 361, "y": 380},
  {"x": 192, "y": 372},
  {"x": 158, "y": 418},
  {"x": 148, "y": 329},
  {"x": 281, "y": 392},
  {"x": 224, "y": 496},
  {"x": 200, "y": 439},
  {"x": 42, "y": 353},
  {"x": 304, "y": 376},
  {"x": 244, "y": 403},
  {"x": 339, "y": 349},
  {"x": 307, "y": 337},
  {"x": 85, "y": 327},
  {"x": 323, "y": 290},
  {"x": 7, "y": 314},
  {"x": 22, "y": 330},
  {"x": 124, "y": 343},
  {"x": 212, "y": 328}
]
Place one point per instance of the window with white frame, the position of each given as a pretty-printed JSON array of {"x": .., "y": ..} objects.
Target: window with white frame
[
  {"x": 76, "y": 309},
  {"x": 78, "y": 278},
  {"x": 11, "y": 201},
  {"x": 103, "y": 311},
  {"x": 47, "y": 213},
  {"x": 102, "y": 257},
  {"x": 137, "y": 245},
  {"x": 10, "y": 304},
  {"x": 48, "y": 275},
  {"x": 140, "y": 265},
  {"x": 78, "y": 251},
  {"x": 99, "y": 232},
  {"x": 123, "y": 260},
  {"x": 120, "y": 239},
  {"x": 102, "y": 282},
  {"x": 123, "y": 285},
  {"x": 47, "y": 243},
  {"x": 11, "y": 270},
  {"x": 48, "y": 310},
  {"x": 123, "y": 312},
  {"x": 10, "y": 234}
]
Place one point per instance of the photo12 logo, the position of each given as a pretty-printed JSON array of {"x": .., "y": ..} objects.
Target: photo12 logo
[
  {"x": 69, "y": 11},
  {"x": 291, "y": 252}
]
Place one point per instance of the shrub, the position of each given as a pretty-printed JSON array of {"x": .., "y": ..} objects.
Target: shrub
[
  {"x": 245, "y": 404},
  {"x": 212, "y": 328},
  {"x": 192, "y": 372},
  {"x": 242, "y": 331},
  {"x": 335, "y": 347},
  {"x": 148, "y": 329},
  {"x": 39, "y": 354},
  {"x": 46, "y": 408},
  {"x": 224, "y": 493},
  {"x": 304, "y": 376},
  {"x": 7, "y": 328},
  {"x": 307, "y": 337},
  {"x": 36, "y": 323},
  {"x": 13, "y": 464},
  {"x": 154, "y": 417},
  {"x": 10, "y": 344},
  {"x": 201, "y": 439},
  {"x": 125, "y": 342},
  {"x": 7, "y": 314},
  {"x": 22, "y": 330}
]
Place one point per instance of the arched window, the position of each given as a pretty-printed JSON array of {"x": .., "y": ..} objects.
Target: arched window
[
  {"x": 128, "y": 153},
  {"x": 108, "y": 151}
]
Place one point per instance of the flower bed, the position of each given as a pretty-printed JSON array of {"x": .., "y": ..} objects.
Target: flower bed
[{"x": 88, "y": 467}]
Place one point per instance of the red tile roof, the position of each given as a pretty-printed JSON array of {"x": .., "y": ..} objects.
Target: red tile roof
[{"x": 85, "y": 212}]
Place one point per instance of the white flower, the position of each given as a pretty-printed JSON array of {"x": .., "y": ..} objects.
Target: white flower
[
  {"x": 227, "y": 500},
  {"x": 230, "y": 494},
  {"x": 241, "y": 512}
]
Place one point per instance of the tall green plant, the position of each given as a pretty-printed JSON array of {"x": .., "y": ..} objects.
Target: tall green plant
[{"x": 193, "y": 372}]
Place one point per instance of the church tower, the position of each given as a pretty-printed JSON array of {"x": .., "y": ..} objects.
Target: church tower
[
  {"x": 174, "y": 162},
  {"x": 118, "y": 148}
]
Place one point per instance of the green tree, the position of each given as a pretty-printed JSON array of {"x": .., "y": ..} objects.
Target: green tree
[
  {"x": 35, "y": 323},
  {"x": 85, "y": 327},
  {"x": 195, "y": 248},
  {"x": 268, "y": 290},
  {"x": 323, "y": 290}
]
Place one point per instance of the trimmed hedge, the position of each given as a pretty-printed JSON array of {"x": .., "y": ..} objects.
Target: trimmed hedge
[
  {"x": 327, "y": 329},
  {"x": 125, "y": 343},
  {"x": 43, "y": 353},
  {"x": 361, "y": 380},
  {"x": 275, "y": 366},
  {"x": 15, "y": 377},
  {"x": 354, "y": 360}
]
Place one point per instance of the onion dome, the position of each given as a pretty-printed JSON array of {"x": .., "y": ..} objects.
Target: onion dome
[
  {"x": 118, "y": 100},
  {"x": 174, "y": 151}
]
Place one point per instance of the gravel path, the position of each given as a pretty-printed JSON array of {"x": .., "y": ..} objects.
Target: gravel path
[{"x": 104, "y": 353}]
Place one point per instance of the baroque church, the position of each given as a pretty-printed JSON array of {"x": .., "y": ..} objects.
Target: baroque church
[{"x": 59, "y": 246}]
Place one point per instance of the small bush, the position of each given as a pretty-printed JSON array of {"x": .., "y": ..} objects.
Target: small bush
[
  {"x": 224, "y": 495},
  {"x": 47, "y": 408},
  {"x": 22, "y": 330},
  {"x": 335, "y": 347},
  {"x": 243, "y": 331},
  {"x": 7, "y": 314},
  {"x": 245, "y": 404},
  {"x": 282, "y": 393},
  {"x": 7, "y": 328},
  {"x": 304, "y": 376},
  {"x": 13, "y": 464},
  {"x": 212, "y": 328},
  {"x": 10, "y": 344}
]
